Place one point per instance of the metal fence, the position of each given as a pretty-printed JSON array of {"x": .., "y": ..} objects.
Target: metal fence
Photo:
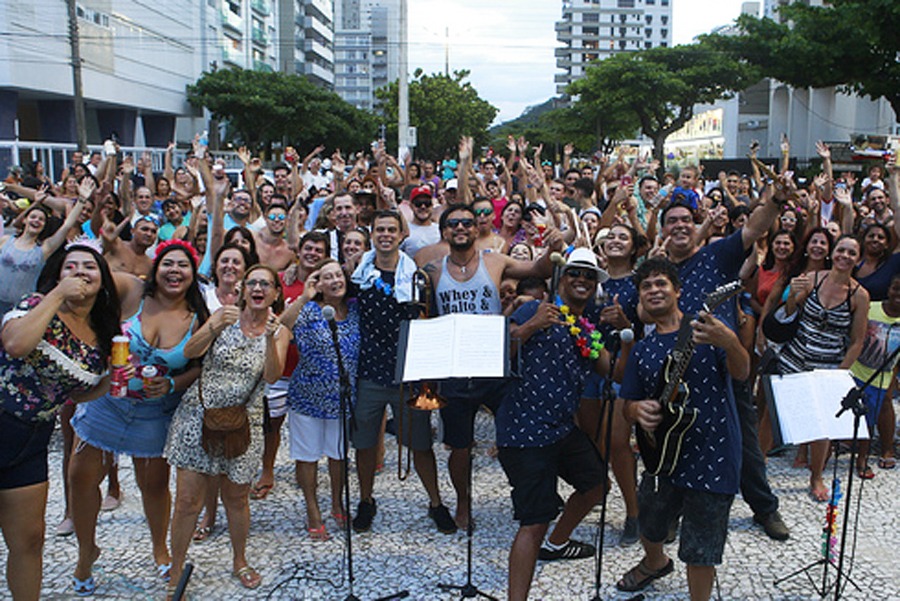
[{"x": 57, "y": 156}]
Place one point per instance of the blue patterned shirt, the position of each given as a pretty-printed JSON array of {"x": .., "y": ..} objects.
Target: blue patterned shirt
[
  {"x": 538, "y": 408},
  {"x": 314, "y": 389}
]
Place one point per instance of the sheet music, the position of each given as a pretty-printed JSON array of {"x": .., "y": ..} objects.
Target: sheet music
[
  {"x": 807, "y": 403},
  {"x": 456, "y": 346}
]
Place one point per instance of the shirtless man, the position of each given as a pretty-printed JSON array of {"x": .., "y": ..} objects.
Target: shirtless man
[
  {"x": 271, "y": 246},
  {"x": 130, "y": 257}
]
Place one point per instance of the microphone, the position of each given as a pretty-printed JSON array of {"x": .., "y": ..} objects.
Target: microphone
[
  {"x": 626, "y": 335},
  {"x": 328, "y": 314},
  {"x": 558, "y": 261}
]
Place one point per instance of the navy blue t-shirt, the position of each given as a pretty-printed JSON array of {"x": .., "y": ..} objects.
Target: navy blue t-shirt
[
  {"x": 538, "y": 408},
  {"x": 380, "y": 317},
  {"x": 711, "y": 452},
  {"x": 878, "y": 282},
  {"x": 710, "y": 267}
]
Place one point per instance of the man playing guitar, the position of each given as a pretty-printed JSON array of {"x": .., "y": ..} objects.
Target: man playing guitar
[{"x": 707, "y": 475}]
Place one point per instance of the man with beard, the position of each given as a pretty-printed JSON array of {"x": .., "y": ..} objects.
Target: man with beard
[
  {"x": 422, "y": 229},
  {"x": 345, "y": 215},
  {"x": 468, "y": 281},
  {"x": 271, "y": 246},
  {"x": 239, "y": 215},
  {"x": 537, "y": 438}
]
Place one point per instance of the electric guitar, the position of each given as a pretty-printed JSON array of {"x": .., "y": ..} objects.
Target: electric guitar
[{"x": 661, "y": 448}]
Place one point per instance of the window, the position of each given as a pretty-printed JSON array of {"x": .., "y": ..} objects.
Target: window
[
  {"x": 648, "y": 45},
  {"x": 591, "y": 17},
  {"x": 622, "y": 44},
  {"x": 590, "y": 30},
  {"x": 626, "y": 4},
  {"x": 648, "y": 19},
  {"x": 665, "y": 19},
  {"x": 664, "y": 33},
  {"x": 664, "y": 44},
  {"x": 648, "y": 32}
]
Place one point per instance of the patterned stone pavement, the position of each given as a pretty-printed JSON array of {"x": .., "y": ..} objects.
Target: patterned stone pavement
[{"x": 404, "y": 552}]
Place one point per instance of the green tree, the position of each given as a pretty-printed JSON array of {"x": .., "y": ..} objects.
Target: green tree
[
  {"x": 265, "y": 108},
  {"x": 442, "y": 108},
  {"x": 853, "y": 44},
  {"x": 557, "y": 122},
  {"x": 659, "y": 87}
]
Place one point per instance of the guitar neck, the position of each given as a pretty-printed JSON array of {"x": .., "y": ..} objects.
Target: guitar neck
[{"x": 681, "y": 357}]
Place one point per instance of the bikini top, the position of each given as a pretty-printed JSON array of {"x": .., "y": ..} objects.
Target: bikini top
[{"x": 170, "y": 361}]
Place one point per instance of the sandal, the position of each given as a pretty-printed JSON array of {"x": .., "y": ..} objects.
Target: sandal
[
  {"x": 340, "y": 517},
  {"x": 639, "y": 577},
  {"x": 319, "y": 535},
  {"x": 887, "y": 463},
  {"x": 84, "y": 588},
  {"x": 249, "y": 577},
  {"x": 261, "y": 491},
  {"x": 164, "y": 570},
  {"x": 201, "y": 533},
  {"x": 865, "y": 473}
]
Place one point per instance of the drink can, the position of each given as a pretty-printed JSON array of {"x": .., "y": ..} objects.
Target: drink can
[
  {"x": 148, "y": 372},
  {"x": 119, "y": 351},
  {"x": 118, "y": 384}
]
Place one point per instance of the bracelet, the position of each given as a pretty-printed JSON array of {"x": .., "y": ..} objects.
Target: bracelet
[{"x": 171, "y": 382}]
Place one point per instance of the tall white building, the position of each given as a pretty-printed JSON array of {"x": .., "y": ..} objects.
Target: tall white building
[
  {"x": 596, "y": 29},
  {"x": 306, "y": 39},
  {"x": 366, "y": 48}
]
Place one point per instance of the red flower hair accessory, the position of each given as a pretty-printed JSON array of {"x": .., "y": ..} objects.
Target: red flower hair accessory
[{"x": 184, "y": 244}]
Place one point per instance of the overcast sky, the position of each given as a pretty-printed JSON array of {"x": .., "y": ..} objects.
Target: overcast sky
[{"x": 508, "y": 44}]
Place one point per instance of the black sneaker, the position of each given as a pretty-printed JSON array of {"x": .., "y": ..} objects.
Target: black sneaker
[
  {"x": 630, "y": 533},
  {"x": 442, "y": 519},
  {"x": 773, "y": 525},
  {"x": 573, "y": 549},
  {"x": 365, "y": 513}
]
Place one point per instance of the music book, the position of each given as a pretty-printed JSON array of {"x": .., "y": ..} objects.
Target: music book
[
  {"x": 453, "y": 346},
  {"x": 805, "y": 405}
]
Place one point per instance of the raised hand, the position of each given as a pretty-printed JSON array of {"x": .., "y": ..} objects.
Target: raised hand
[
  {"x": 822, "y": 150},
  {"x": 86, "y": 187}
]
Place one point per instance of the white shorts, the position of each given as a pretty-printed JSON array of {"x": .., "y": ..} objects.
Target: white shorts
[
  {"x": 312, "y": 437},
  {"x": 276, "y": 397}
]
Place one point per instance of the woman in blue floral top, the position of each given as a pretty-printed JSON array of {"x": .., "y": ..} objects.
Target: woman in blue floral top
[
  {"x": 314, "y": 392},
  {"x": 55, "y": 347}
]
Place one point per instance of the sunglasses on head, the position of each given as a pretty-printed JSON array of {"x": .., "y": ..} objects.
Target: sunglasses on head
[
  {"x": 577, "y": 272},
  {"x": 151, "y": 218},
  {"x": 465, "y": 222}
]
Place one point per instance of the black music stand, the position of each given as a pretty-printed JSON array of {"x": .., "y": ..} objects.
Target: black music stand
[{"x": 445, "y": 329}]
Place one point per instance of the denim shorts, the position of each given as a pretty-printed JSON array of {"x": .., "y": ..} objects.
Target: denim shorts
[
  {"x": 23, "y": 451},
  {"x": 704, "y": 524},
  {"x": 136, "y": 427},
  {"x": 371, "y": 400}
]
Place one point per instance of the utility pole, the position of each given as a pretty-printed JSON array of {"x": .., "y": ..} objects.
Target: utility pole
[
  {"x": 447, "y": 51},
  {"x": 78, "y": 91},
  {"x": 403, "y": 86}
]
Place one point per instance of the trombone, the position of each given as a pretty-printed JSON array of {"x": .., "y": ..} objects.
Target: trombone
[{"x": 427, "y": 399}]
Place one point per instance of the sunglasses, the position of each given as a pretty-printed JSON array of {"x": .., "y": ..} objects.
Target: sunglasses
[
  {"x": 465, "y": 222},
  {"x": 588, "y": 274},
  {"x": 480, "y": 212},
  {"x": 151, "y": 218},
  {"x": 422, "y": 204},
  {"x": 264, "y": 284},
  {"x": 277, "y": 216}
]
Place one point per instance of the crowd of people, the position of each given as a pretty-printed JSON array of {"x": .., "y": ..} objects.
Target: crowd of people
[{"x": 250, "y": 303}]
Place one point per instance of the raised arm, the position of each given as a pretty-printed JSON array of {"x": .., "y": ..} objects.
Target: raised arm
[
  {"x": 168, "y": 171},
  {"x": 145, "y": 164},
  {"x": 59, "y": 236}
]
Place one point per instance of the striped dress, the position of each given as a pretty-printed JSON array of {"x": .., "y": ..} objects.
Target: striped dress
[{"x": 822, "y": 337}]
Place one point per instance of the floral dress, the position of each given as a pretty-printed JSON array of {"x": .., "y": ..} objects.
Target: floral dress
[
  {"x": 36, "y": 386},
  {"x": 230, "y": 375}
]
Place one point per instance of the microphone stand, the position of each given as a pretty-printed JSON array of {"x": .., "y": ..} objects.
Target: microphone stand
[
  {"x": 344, "y": 379},
  {"x": 609, "y": 401}
]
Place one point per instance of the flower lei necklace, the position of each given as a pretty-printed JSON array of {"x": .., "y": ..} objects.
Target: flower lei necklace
[{"x": 589, "y": 344}]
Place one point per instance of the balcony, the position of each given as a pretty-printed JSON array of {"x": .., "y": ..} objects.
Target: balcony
[
  {"x": 259, "y": 36},
  {"x": 233, "y": 20},
  {"x": 263, "y": 66},
  {"x": 261, "y": 6},
  {"x": 230, "y": 55}
]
